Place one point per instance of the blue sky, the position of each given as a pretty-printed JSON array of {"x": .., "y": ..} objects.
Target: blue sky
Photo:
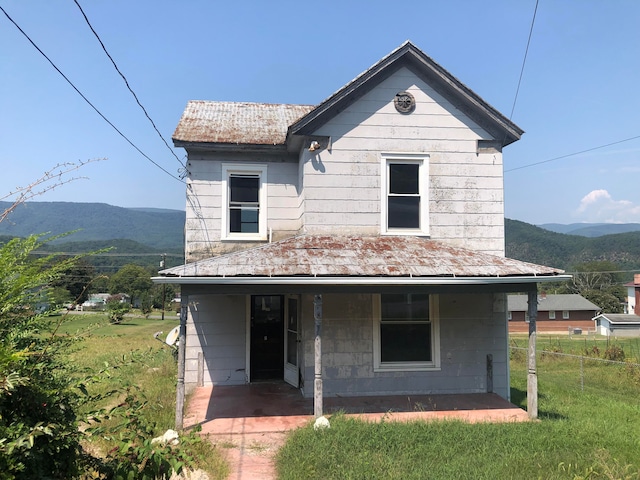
[{"x": 579, "y": 89}]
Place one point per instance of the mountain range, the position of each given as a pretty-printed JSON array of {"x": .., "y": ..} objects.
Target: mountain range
[
  {"x": 147, "y": 233},
  {"x": 591, "y": 229},
  {"x": 156, "y": 228}
]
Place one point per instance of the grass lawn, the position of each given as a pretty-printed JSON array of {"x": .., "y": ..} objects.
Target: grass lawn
[
  {"x": 591, "y": 432},
  {"x": 134, "y": 357}
]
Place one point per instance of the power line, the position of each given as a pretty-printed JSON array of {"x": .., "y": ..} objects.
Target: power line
[
  {"x": 85, "y": 98},
  {"x": 126, "y": 82},
  {"x": 573, "y": 154},
  {"x": 524, "y": 60}
]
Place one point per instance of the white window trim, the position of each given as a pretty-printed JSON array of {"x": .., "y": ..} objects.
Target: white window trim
[
  {"x": 565, "y": 314},
  {"x": 434, "y": 365},
  {"x": 423, "y": 187},
  {"x": 552, "y": 314},
  {"x": 229, "y": 169}
]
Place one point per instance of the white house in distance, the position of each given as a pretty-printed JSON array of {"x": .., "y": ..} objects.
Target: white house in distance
[
  {"x": 350, "y": 248},
  {"x": 623, "y": 324}
]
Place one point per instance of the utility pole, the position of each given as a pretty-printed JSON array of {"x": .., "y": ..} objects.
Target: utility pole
[{"x": 164, "y": 285}]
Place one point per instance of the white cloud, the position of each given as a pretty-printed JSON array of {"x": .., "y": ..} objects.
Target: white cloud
[{"x": 598, "y": 206}]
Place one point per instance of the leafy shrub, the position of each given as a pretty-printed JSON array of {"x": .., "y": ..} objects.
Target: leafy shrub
[
  {"x": 137, "y": 456},
  {"x": 614, "y": 352},
  {"x": 39, "y": 435},
  {"x": 117, "y": 308}
]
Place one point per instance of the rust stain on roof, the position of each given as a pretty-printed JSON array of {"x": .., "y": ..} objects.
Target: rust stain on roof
[
  {"x": 358, "y": 256},
  {"x": 237, "y": 122}
]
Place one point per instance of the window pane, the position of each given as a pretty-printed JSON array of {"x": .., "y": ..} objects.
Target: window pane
[
  {"x": 243, "y": 220},
  {"x": 403, "y": 212},
  {"x": 403, "y": 178},
  {"x": 244, "y": 188},
  {"x": 292, "y": 348},
  {"x": 404, "y": 307},
  {"x": 405, "y": 342}
]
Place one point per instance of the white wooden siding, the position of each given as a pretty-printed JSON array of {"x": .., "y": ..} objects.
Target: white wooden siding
[
  {"x": 216, "y": 328},
  {"x": 471, "y": 327},
  {"x": 204, "y": 203},
  {"x": 338, "y": 190},
  {"x": 342, "y": 186}
]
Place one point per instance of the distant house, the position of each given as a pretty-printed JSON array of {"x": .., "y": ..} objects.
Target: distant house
[
  {"x": 351, "y": 248},
  {"x": 555, "y": 312},
  {"x": 618, "y": 324},
  {"x": 96, "y": 301},
  {"x": 553, "y": 308},
  {"x": 626, "y": 324}
]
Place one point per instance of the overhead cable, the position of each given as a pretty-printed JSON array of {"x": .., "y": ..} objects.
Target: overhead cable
[
  {"x": 524, "y": 60},
  {"x": 85, "y": 98},
  {"x": 573, "y": 154},
  {"x": 126, "y": 82}
]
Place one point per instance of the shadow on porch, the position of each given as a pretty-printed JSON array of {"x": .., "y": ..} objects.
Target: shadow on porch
[{"x": 277, "y": 407}]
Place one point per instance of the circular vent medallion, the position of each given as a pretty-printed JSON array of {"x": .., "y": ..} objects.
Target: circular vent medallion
[{"x": 404, "y": 102}]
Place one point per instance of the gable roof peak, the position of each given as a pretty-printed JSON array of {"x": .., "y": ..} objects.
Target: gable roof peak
[{"x": 410, "y": 56}]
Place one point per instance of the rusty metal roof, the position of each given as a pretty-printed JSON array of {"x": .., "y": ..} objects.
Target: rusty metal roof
[
  {"x": 358, "y": 256},
  {"x": 237, "y": 122}
]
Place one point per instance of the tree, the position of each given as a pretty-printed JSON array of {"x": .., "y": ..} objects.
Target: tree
[
  {"x": 599, "y": 282},
  {"x": 132, "y": 280},
  {"x": 75, "y": 280},
  {"x": 169, "y": 292}
]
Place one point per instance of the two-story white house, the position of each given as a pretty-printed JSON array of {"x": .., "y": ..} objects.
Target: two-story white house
[{"x": 350, "y": 248}]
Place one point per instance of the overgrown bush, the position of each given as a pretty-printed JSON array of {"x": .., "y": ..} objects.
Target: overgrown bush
[
  {"x": 39, "y": 435},
  {"x": 117, "y": 308},
  {"x": 137, "y": 455},
  {"x": 41, "y": 393}
]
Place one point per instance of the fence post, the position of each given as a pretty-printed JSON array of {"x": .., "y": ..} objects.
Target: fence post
[
  {"x": 581, "y": 373},
  {"x": 532, "y": 376}
]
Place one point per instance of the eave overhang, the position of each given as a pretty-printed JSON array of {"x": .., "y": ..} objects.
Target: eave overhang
[
  {"x": 408, "y": 55},
  {"x": 360, "y": 281}
]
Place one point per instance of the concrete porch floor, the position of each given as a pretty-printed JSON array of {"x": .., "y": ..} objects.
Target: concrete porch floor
[
  {"x": 277, "y": 406},
  {"x": 250, "y": 422}
]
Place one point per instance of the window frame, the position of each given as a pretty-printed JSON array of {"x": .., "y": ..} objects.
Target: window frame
[
  {"x": 552, "y": 314},
  {"x": 434, "y": 320},
  {"x": 228, "y": 170},
  {"x": 422, "y": 160},
  {"x": 565, "y": 314}
]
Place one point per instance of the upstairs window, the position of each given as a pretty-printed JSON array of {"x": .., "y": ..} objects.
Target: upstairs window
[
  {"x": 405, "y": 200},
  {"x": 244, "y": 202}
]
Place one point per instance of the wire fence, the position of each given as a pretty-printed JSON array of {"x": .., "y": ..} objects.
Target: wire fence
[{"x": 582, "y": 373}]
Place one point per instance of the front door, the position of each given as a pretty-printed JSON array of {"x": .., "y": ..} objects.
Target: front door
[
  {"x": 267, "y": 339},
  {"x": 291, "y": 342}
]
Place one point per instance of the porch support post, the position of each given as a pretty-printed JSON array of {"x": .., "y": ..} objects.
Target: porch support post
[
  {"x": 317, "y": 385},
  {"x": 181, "y": 362},
  {"x": 532, "y": 377}
]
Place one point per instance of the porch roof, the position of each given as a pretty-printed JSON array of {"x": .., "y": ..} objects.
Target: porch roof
[{"x": 358, "y": 260}]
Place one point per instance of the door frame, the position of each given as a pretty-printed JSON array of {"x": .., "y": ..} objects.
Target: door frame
[
  {"x": 285, "y": 378},
  {"x": 292, "y": 372}
]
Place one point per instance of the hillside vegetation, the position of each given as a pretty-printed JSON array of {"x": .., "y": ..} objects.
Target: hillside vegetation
[
  {"x": 156, "y": 228},
  {"x": 533, "y": 244}
]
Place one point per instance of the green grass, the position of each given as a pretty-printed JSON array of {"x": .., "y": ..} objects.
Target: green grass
[
  {"x": 133, "y": 357},
  {"x": 592, "y": 433}
]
